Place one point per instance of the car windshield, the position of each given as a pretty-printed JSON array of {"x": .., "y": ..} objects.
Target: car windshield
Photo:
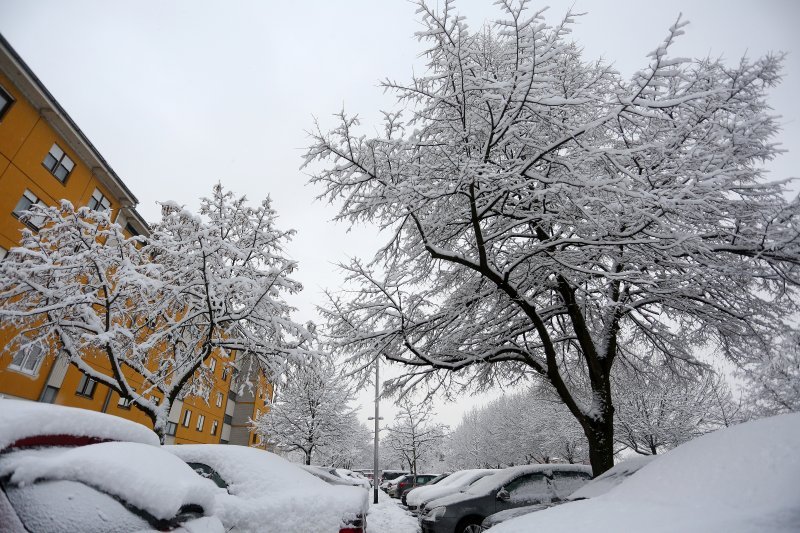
[
  {"x": 69, "y": 506},
  {"x": 209, "y": 473}
]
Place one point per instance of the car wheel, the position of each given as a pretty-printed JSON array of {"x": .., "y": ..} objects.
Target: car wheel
[{"x": 470, "y": 525}]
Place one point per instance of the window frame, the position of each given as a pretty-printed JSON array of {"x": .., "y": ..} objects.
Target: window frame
[
  {"x": 58, "y": 162},
  {"x": 220, "y": 399},
  {"x": 99, "y": 202},
  {"x": 201, "y": 420},
  {"x": 187, "y": 418},
  {"x": 214, "y": 426},
  {"x": 32, "y": 222},
  {"x": 26, "y": 352},
  {"x": 172, "y": 428},
  {"x": 86, "y": 387},
  {"x": 10, "y": 101}
]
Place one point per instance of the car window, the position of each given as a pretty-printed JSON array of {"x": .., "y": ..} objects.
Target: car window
[
  {"x": 209, "y": 473},
  {"x": 69, "y": 506},
  {"x": 530, "y": 488},
  {"x": 565, "y": 483}
]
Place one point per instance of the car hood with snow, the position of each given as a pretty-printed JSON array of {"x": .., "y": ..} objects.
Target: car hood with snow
[
  {"x": 460, "y": 481},
  {"x": 739, "y": 479},
  {"x": 268, "y": 493}
]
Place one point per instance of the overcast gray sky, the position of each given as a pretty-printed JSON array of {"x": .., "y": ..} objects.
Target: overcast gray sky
[{"x": 178, "y": 95}]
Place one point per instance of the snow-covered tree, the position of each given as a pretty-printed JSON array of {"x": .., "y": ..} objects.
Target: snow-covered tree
[
  {"x": 522, "y": 428},
  {"x": 414, "y": 438},
  {"x": 548, "y": 216},
  {"x": 656, "y": 412},
  {"x": 773, "y": 382},
  {"x": 310, "y": 410},
  {"x": 353, "y": 449},
  {"x": 158, "y": 306}
]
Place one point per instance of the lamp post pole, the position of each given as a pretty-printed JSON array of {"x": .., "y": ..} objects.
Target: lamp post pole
[{"x": 376, "y": 476}]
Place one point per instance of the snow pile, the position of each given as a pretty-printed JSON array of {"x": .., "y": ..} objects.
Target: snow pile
[
  {"x": 21, "y": 419},
  {"x": 141, "y": 475},
  {"x": 460, "y": 480},
  {"x": 388, "y": 517},
  {"x": 268, "y": 493},
  {"x": 740, "y": 479}
]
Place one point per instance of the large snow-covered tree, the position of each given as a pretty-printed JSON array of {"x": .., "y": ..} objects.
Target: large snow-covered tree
[
  {"x": 414, "y": 438},
  {"x": 311, "y": 410},
  {"x": 157, "y": 305},
  {"x": 549, "y": 216}
]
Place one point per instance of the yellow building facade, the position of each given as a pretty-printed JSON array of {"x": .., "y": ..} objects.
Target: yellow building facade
[{"x": 45, "y": 157}]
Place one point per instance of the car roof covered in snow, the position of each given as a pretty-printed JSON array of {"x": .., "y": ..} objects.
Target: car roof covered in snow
[
  {"x": 139, "y": 474},
  {"x": 22, "y": 421},
  {"x": 738, "y": 479}
]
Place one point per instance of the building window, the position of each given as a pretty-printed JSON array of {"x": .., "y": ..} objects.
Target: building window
[
  {"x": 200, "y": 420},
  {"x": 6, "y": 101},
  {"x": 228, "y": 419},
  {"x": 131, "y": 230},
  {"x": 28, "y": 359},
  {"x": 49, "y": 394},
  {"x": 28, "y": 199},
  {"x": 86, "y": 386},
  {"x": 124, "y": 403},
  {"x": 219, "y": 399},
  {"x": 212, "y": 365},
  {"x": 187, "y": 418},
  {"x": 58, "y": 163},
  {"x": 232, "y": 395},
  {"x": 225, "y": 372},
  {"x": 172, "y": 427},
  {"x": 214, "y": 426},
  {"x": 99, "y": 202}
]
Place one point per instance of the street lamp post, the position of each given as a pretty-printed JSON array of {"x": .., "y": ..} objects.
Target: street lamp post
[{"x": 375, "y": 472}]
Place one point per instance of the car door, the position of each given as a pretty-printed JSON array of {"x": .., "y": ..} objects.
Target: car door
[{"x": 527, "y": 489}]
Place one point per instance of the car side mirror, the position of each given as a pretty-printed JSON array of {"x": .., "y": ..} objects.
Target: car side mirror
[{"x": 503, "y": 495}]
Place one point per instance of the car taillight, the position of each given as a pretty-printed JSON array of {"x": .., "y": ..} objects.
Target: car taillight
[{"x": 349, "y": 529}]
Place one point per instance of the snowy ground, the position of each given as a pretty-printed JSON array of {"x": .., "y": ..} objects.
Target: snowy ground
[{"x": 389, "y": 516}]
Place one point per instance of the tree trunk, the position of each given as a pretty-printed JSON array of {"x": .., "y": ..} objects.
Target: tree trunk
[
  {"x": 601, "y": 445},
  {"x": 308, "y": 458}
]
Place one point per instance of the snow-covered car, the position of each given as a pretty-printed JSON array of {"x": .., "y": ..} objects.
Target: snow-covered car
[
  {"x": 337, "y": 476},
  {"x": 264, "y": 492},
  {"x": 434, "y": 481},
  {"x": 457, "y": 481},
  {"x": 64, "y": 470},
  {"x": 409, "y": 482},
  {"x": 599, "y": 485},
  {"x": 512, "y": 487},
  {"x": 389, "y": 477},
  {"x": 738, "y": 479}
]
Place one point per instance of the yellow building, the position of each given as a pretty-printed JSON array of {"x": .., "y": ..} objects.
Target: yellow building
[{"x": 45, "y": 157}]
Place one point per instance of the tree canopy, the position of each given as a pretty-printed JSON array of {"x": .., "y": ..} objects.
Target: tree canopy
[{"x": 549, "y": 216}]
